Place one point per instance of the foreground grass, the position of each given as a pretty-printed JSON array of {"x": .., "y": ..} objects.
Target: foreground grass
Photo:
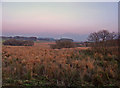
[{"x": 35, "y": 66}]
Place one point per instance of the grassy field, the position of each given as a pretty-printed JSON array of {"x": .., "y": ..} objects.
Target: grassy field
[{"x": 39, "y": 65}]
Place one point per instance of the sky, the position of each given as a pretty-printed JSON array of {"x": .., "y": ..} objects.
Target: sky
[
  {"x": 59, "y": 0},
  {"x": 74, "y": 20}
]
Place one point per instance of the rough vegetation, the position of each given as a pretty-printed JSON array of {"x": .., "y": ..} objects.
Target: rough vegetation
[
  {"x": 33, "y": 66},
  {"x": 64, "y": 65}
]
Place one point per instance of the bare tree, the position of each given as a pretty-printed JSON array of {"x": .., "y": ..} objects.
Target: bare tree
[
  {"x": 102, "y": 39},
  {"x": 102, "y": 35},
  {"x": 93, "y": 37},
  {"x": 112, "y": 36}
]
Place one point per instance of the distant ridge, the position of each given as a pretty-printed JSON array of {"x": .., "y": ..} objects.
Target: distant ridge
[{"x": 26, "y": 38}]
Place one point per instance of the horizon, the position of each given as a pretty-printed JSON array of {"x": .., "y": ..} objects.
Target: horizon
[
  {"x": 58, "y": 19},
  {"x": 45, "y": 37}
]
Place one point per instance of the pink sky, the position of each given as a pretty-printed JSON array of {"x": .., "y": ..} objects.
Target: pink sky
[{"x": 57, "y": 19}]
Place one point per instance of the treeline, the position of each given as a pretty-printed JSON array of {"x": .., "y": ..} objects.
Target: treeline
[
  {"x": 104, "y": 38},
  {"x": 14, "y": 42},
  {"x": 19, "y": 38},
  {"x": 27, "y": 38},
  {"x": 100, "y": 39}
]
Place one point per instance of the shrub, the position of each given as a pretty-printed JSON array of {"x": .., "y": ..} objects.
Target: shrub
[
  {"x": 28, "y": 43},
  {"x": 14, "y": 42},
  {"x": 63, "y": 44}
]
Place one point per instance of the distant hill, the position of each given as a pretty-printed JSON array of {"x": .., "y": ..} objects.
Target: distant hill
[
  {"x": 46, "y": 39},
  {"x": 65, "y": 39},
  {"x": 19, "y": 38},
  {"x": 27, "y": 38}
]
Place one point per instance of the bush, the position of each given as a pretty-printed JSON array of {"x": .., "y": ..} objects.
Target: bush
[
  {"x": 14, "y": 42},
  {"x": 28, "y": 43},
  {"x": 63, "y": 44}
]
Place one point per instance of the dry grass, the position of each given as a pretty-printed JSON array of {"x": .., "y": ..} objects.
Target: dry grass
[
  {"x": 67, "y": 66},
  {"x": 45, "y": 45}
]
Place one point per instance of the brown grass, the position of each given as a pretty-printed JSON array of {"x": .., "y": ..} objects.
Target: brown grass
[{"x": 65, "y": 66}]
